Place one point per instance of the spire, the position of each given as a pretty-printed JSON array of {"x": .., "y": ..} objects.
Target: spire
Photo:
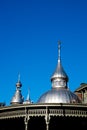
[
  {"x": 28, "y": 95},
  {"x": 59, "y": 49},
  {"x": 19, "y": 84},
  {"x": 59, "y": 74},
  {"x": 28, "y": 100},
  {"x": 17, "y": 98},
  {"x": 19, "y": 77}
]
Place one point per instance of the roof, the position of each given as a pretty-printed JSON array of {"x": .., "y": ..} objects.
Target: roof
[{"x": 81, "y": 87}]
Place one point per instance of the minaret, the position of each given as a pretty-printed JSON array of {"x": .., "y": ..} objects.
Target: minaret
[
  {"x": 59, "y": 77},
  {"x": 17, "y": 98}
]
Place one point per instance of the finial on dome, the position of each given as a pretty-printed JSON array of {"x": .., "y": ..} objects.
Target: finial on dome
[
  {"x": 19, "y": 84},
  {"x": 19, "y": 77},
  {"x": 59, "y": 48},
  {"x": 59, "y": 72}
]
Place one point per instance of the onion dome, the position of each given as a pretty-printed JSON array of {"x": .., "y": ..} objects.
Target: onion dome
[
  {"x": 59, "y": 92},
  {"x": 60, "y": 95},
  {"x": 59, "y": 72},
  {"x": 17, "y": 98}
]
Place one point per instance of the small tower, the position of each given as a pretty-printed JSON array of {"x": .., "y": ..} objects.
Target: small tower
[{"x": 17, "y": 98}]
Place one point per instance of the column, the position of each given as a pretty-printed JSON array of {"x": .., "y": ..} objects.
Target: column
[
  {"x": 26, "y": 119},
  {"x": 47, "y": 119},
  {"x": 47, "y": 125},
  {"x": 26, "y": 123}
]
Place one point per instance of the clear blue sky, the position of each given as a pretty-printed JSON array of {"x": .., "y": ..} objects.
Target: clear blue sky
[{"x": 29, "y": 31}]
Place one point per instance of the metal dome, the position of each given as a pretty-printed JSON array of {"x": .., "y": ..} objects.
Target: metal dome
[
  {"x": 60, "y": 95},
  {"x": 17, "y": 98},
  {"x": 59, "y": 72},
  {"x": 59, "y": 92}
]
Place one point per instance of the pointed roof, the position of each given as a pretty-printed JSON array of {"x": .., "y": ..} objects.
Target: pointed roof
[
  {"x": 17, "y": 98},
  {"x": 28, "y": 100},
  {"x": 59, "y": 71}
]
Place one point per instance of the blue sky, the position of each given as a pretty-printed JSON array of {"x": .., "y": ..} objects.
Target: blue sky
[{"x": 29, "y": 31}]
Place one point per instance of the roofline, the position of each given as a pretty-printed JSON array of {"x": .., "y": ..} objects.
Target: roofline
[{"x": 81, "y": 105}]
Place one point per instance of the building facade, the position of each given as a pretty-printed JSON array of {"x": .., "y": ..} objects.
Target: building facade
[{"x": 56, "y": 108}]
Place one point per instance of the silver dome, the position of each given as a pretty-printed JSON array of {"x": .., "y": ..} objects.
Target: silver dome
[
  {"x": 59, "y": 92},
  {"x": 59, "y": 72},
  {"x": 60, "y": 95},
  {"x": 17, "y": 98}
]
